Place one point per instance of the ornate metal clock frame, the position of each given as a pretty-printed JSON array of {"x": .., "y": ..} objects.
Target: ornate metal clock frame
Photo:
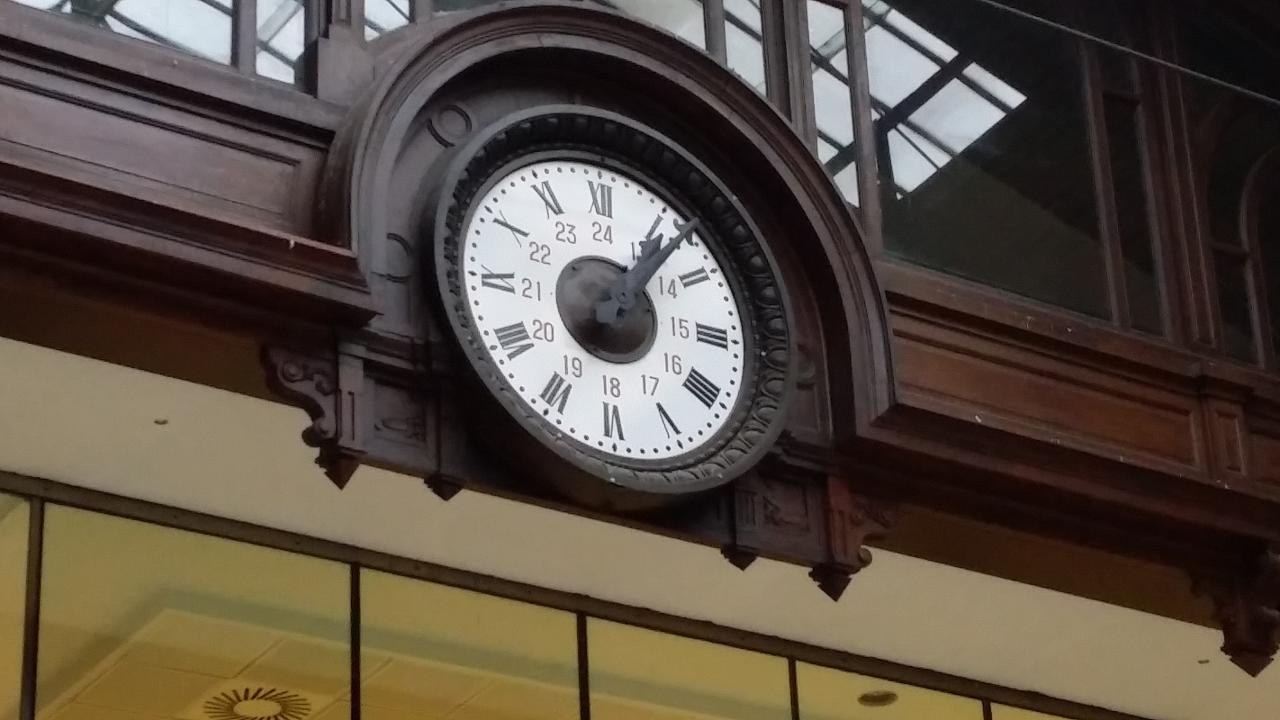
[{"x": 612, "y": 140}]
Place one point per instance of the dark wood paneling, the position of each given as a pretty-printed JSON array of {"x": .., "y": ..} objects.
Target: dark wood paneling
[
  {"x": 985, "y": 381},
  {"x": 165, "y": 155}
]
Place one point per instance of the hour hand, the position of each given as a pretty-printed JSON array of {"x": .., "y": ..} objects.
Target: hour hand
[{"x": 622, "y": 293}]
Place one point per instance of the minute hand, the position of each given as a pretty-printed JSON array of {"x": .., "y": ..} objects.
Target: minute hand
[{"x": 623, "y": 292}]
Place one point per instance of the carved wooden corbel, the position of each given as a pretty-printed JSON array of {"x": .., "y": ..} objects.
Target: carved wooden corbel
[
  {"x": 1248, "y": 610},
  {"x": 775, "y": 512},
  {"x": 852, "y": 520},
  {"x": 331, "y": 392}
]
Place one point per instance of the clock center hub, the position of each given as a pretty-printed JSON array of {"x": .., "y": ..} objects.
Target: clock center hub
[{"x": 585, "y": 282}]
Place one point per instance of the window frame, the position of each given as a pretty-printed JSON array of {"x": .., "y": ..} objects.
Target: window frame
[{"x": 40, "y": 493}]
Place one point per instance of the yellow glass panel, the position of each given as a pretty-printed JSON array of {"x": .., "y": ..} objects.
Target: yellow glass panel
[
  {"x": 14, "y": 520},
  {"x": 430, "y": 651},
  {"x": 1000, "y": 712},
  {"x": 141, "y": 622},
  {"x": 827, "y": 694},
  {"x": 639, "y": 674}
]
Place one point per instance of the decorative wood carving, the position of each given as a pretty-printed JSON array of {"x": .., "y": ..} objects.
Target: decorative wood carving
[
  {"x": 332, "y": 395},
  {"x": 1248, "y": 608},
  {"x": 774, "y": 514},
  {"x": 852, "y": 520}
]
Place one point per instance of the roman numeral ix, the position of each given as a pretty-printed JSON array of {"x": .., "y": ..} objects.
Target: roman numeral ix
[
  {"x": 713, "y": 336},
  {"x": 514, "y": 338},
  {"x": 556, "y": 393},
  {"x": 497, "y": 281},
  {"x": 601, "y": 199},
  {"x": 549, "y": 198},
  {"x": 701, "y": 388}
]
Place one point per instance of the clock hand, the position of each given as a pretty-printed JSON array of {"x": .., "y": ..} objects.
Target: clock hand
[{"x": 621, "y": 295}]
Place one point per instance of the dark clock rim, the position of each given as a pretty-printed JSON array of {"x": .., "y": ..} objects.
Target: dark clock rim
[{"x": 649, "y": 158}]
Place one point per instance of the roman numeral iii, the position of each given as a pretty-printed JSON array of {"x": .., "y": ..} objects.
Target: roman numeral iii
[
  {"x": 601, "y": 199},
  {"x": 548, "y": 197},
  {"x": 703, "y": 389},
  {"x": 690, "y": 279},
  {"x": 556, "y": 393},
  {"x": 718, "y": 337},
  {"x": 514, "y": 338}
]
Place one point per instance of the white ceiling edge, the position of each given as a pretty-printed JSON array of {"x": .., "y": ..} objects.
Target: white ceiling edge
[{"x": 92, "y": 424}]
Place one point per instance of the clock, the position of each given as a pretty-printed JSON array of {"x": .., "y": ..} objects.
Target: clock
[{"x": 616, "y": 301}]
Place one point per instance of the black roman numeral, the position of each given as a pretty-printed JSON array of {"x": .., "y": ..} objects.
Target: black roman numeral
[
  {"x": 514, "y": 338},
  {"x": 702, "y": 388},
  {"x": 668, "y": 425},
  {"x": 497, "y": 281},
  {"x": 653, "y": 233},
  {"x": 556, "y": 393},
  {"x": 549, "y": 198},
  {"x": 516, "y": 232},
  {"x": 601, "y": 199},
  {"x": 718, "y": 337},
  {"x": 693, "y": 278},
  {"x": 612, "y": 422}
]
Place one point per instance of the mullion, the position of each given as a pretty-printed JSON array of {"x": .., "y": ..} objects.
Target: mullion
[
  {"x": 31, "y": 613},
  {"x": 1108, "y": 226},
  {"x": 713, "y": 20}
]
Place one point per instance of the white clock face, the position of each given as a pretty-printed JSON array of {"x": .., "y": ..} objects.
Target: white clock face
[{"x": 542, "y": 249}]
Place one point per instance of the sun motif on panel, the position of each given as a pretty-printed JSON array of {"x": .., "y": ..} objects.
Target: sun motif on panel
[{"x": 257, "y": 704}]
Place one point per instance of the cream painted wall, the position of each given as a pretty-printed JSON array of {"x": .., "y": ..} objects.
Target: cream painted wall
[{"x": 92, "y": 424}]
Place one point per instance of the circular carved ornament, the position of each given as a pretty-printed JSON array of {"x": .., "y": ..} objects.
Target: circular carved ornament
[{"x": 617, "y": 302}]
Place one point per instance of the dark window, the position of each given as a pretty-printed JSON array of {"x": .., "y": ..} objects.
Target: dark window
[
  {"x": 984, "y": 151},
  {"x": 1015, "y": 153},
  {"x": 1235, "y": 124}
]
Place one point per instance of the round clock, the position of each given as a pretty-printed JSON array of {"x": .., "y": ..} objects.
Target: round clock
[{"x": 616, "y": 300}]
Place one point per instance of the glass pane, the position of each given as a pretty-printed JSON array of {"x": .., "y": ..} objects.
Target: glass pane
[
  {"x": 142, "y": 621},
  {"x": 1231, "y": 42},
  {"x": 634, "y": 676},
  {"x": 1233, "y": 303},
  {"x": 983, "y": 148},
  {"x": 742, "y": 36},
  {"x": 383, "y": 16},
  {"x": 1268, "y": 233},
  {"x": 199, "y": 27},
  {"x": 13, "y": 591},
  {"x": 281, "y": 36},
  {"x": 827, "y": 694},
  {"x": 430, "y": 651},
  {"x": 1129, "y": 179},
  {"x": 833, "y": 106},
  {"x": 682, "y": 18}
]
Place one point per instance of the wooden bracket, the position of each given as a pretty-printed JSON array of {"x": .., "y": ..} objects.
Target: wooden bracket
[
  {"x": 852, "y": 520},
  {"x": 331, "y": 391},
  {"x": 1248, "y": 609}
]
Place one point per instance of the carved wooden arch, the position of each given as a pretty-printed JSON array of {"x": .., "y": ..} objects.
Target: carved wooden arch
[{"x": 358, "y": 174}]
